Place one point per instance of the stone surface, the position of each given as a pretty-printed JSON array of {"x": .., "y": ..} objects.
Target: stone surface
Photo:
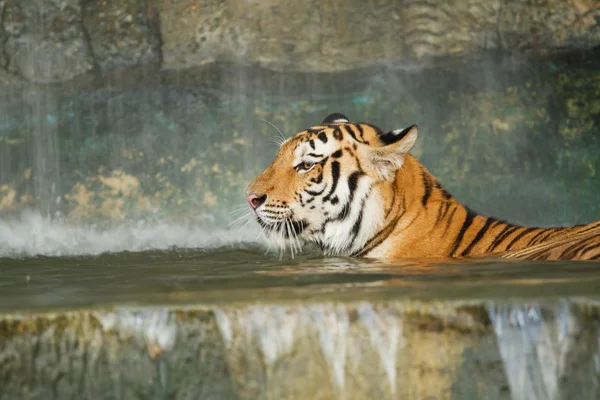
[
  {"x": 197, "y": 32},
  {"x": 547, "y": 25},
  {"x": 335, "y": 36},
  {"x": 46, "y": 40},
  {"x": 397, "y": 349},
  {"x": 122, "y": 33},
  {"x": 3, "y": 37},
  {"x": 179, "y": 145},
  {"x": 50, "y": 40}
]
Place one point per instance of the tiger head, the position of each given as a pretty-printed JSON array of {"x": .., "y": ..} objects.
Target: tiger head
[{"x": 328, "y": 184}]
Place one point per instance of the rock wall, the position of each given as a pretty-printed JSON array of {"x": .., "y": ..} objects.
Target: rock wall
[
  {"x": 517, "y": 141},
  {"x": 114, "y": 109},
  {"x": 399, "y": 349},
  {"x": 57, "y": 40}
]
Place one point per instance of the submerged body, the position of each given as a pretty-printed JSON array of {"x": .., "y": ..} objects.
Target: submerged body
[{"x": 356, "y": 191}]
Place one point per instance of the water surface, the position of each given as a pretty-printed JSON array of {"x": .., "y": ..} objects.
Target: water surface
[{"x": 244, "y": 273}]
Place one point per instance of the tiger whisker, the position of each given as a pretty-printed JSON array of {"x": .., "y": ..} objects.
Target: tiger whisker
[
  {"x": 289, "y": 233},
  {"x": 235, "y": 214},
  {"x": 240, "y": 219},
  {"x": 277, "y": 141},
  {"x": 293, "y": 238},
  {"x": 273, "y": 125},
  {"x": 298, "y": 241},
  {"x": 238, "y": 209},
  {"x": 243, "y": 226},
  {"x": 262, "y": 232},
  {"x": 282, "y": 246}
]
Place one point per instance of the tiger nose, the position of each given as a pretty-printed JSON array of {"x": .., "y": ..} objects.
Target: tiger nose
[{"x": 256, "y": 201}]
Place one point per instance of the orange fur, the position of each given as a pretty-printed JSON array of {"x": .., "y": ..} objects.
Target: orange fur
[{"x": 356, "y": 191}]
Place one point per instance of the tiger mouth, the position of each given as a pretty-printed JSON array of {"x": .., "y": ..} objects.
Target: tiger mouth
[{"x": 286, "y": 228}]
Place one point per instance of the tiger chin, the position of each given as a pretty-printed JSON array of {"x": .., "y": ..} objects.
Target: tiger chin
[{"x": 355, "y": 190}]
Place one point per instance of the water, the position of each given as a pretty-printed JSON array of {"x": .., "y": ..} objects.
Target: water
[
  {"x": 244, "y": 273},
  {"x": 259, "y": 324},
  {"x": 156, "y": 310},
  {"x": 32, "y": 234}
]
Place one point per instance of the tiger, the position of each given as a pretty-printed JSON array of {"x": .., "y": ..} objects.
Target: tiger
[{"x": 356, "y": 191}]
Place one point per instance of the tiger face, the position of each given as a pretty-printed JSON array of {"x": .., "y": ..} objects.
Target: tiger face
[{"x": 327, "y": 184}]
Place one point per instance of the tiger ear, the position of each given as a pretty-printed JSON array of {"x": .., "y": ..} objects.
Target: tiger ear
[
  {"x": 335, "y": 118},
  {"x": 387, "y": 159}
]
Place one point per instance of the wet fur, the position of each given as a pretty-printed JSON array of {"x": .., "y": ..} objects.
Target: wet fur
[{"x": 365, "y": 195}]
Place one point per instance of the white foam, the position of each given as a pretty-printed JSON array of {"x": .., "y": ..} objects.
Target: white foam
[{"x": 32, "y": 234}]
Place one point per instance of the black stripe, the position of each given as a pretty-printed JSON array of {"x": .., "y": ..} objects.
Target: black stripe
[
  {"x": 536, "y": 236},
  {"x": 570, "y": 252},
  {"x": 519, "y": 236},
  {"x": 445, "y": 205},
  {"x": 445, "y": 194},
  {"x": 357, "y": 223},
  {"x": 585, "y": 246},
  {"x": 361, "y": 137},
  {"x": 427, "y": 186},
  {"x": 504, "y": 233},
  {"x": 384, "y": 232},
  {"x": 315, "y": 155},
  {"x": 359, "y": 128},
  {"x": 313, "y": 193},
  {"x": 343, "y": 214},
  {"x": 590, "y": 248},
  {"x": 596, "y": 257},
  {"x": 299, "y": 226},
  {"x": 479, "y": 236},
  {"x": 549, "y": 232},
  {"x": 312, "y": 143},
  {"x": 594, "y": 226},
  {"x": 463, "y": 230},
  {"x": 337, "y": 154},
  {"x": 318, "y": 179},
  {"x": 350, "y": 132},
  {"x": 379, "y": 238},
  {"x": 353, "y": 182},
  {"x": 352, "y": 185},
  {"x": 322, "y": 137},
  {"x": 450, "y": 218},
  {"x": 335, "y": 176}
]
